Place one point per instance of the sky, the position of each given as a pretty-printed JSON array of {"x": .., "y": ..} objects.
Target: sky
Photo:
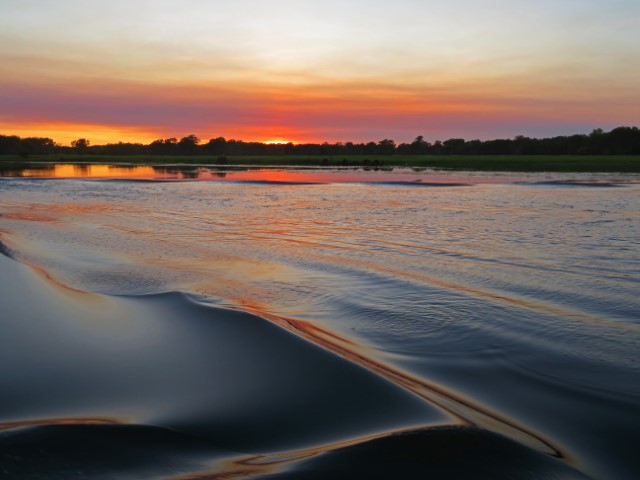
[{"x": 308, "y": 70}]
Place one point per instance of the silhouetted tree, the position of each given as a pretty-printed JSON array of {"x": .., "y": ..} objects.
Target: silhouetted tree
[
  {"x": 188, "y": 145},
  {"x": 120, "y": 148},
  {"x": 437, "y": 147},
  {"x": 80, "y": 145},
  {"x": 523, "y": 145},
  {"x": 624, "y": 140},
  {"x": 454, "y": 146},
  {"x": 619, "y": 141},
  {"x": 216, "y": 146},
  {"x": 9, "y": 144},
  {"x": 386, "y": 147},
  {"x": 419, "y": 146},
  {"x": 168, "y": 146},
  {"x": 37, "y": 145}
]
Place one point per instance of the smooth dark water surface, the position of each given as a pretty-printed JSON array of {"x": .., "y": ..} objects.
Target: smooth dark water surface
[{"x": 319, "y": 324}]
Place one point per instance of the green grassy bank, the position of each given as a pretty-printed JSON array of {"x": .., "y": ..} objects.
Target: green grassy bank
[{"x": 509, "y": 163}]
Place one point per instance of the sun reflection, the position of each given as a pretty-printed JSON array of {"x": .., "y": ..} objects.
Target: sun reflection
[
  {"x": 67, "y": 170},
  {"x": 279, "y": 175}
]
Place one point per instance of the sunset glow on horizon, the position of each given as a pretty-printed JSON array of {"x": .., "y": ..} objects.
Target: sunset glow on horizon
[{"x": 284, "y": 71}]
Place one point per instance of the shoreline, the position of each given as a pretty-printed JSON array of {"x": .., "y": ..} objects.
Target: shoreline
[
  {"x": 309, "y": 175},
  {"x": 484, "y": 163}
]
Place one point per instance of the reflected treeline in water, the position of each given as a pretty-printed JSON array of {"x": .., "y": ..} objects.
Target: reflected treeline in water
[
  {"x": 74, "y": 170},
  {"x": 317, "y": 324},
  {"x": 291, "y": 175},
  {"x": 191, "y": 173},
  {"x": 19, "y": 170},
  {"x": 234, "y": 173},
  {"x": 85, "y": 170},
  {"x": 187, "y": 172}
]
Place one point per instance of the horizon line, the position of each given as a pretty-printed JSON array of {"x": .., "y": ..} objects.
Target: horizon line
[{"x": 284, "y": 142}]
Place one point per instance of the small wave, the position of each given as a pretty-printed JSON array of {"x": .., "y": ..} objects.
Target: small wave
[
  {"x": 168, "y": 360},
  {"x": 568, "y": 183},
  {"x": 419, "y": 183},
  {"x": 267, "y": 182},
  {"x": 134, "y": 180},
  {"x": 439, "y": 453},
  {"x": 6, "y": 250}
]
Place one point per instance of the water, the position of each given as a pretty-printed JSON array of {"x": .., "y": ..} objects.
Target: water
[{"x": 508, "y": 305}]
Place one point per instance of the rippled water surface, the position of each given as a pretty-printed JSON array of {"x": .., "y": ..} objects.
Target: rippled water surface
[{"x": 327, "y": 311}]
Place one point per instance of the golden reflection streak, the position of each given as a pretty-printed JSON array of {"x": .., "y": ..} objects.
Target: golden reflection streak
[
  {"x": 520, "y": 302},
  {"x": 492, "y": 295},
  {"x": 41, "y": 271},
  {"x": 26, "y": 216},
  {"x": 60, "y": 421},
  {"x": 271, "y": 463},
  {"x": 69, "y": 170},
  {"x": 464, "y": 410}
]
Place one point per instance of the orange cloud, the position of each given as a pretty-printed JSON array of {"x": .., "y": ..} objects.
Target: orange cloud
[{"x": 107, "y": 111}]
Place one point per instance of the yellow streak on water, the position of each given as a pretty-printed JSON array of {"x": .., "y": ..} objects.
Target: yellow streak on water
[
  {"x": 61, "y": 421},
  {"x": 466, "y": 411}
]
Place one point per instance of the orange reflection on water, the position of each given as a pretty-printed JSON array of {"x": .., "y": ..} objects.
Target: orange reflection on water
[
  {"x": 239, "y": 174},
  {"x": 91, "y": 171},
  {"x": 178, "y": 173},
  {"x": 27, "y": 216},
  {"x": 61, "y": 421}
]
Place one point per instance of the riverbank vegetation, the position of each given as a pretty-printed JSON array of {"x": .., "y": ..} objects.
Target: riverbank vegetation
[
  {"x": 507, "y": 163},
  {"x": 614, "y": 151}
]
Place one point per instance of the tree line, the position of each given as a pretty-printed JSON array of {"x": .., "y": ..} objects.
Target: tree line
[{"x": 619, "y": 141}]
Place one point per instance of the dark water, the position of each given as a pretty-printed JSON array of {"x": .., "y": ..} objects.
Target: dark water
[{"x": 318, "y": 324}]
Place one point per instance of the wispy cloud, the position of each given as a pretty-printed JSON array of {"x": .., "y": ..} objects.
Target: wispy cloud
[{"x": 315, "y": 71}]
